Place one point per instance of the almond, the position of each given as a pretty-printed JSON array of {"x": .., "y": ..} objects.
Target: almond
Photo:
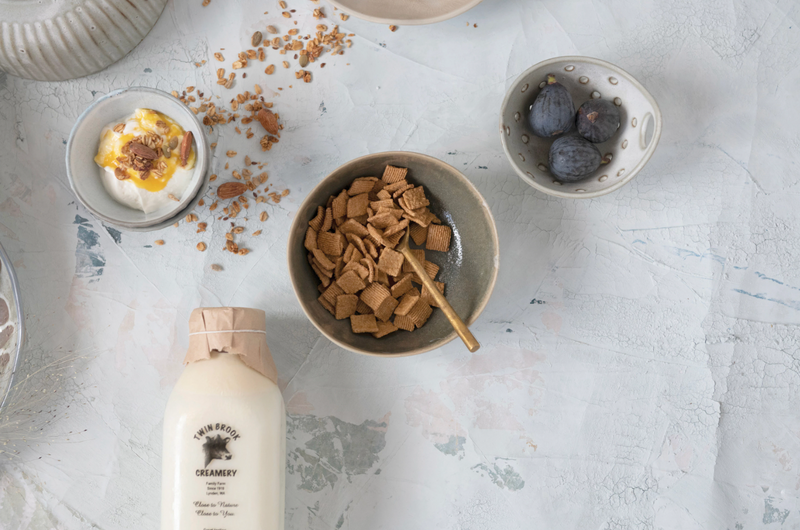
[
  {"x": 186, "y": 147},
  {"x": 268, "y": 120},
  {"x": 229, "y": 190},
  {"x": 142, "y": 151}
]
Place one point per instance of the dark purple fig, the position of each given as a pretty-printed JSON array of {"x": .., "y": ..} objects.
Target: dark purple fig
[
  {"x": 573, "y": 158},
  {"x": 598, "y": 120},
  {"x": 553, "y": 112}
]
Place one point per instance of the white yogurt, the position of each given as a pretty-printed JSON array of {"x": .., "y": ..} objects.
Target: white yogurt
[{"x": 127, "y": 193}]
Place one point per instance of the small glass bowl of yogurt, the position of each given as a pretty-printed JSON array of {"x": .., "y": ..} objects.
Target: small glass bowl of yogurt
[{"x": 137, "y": 158}]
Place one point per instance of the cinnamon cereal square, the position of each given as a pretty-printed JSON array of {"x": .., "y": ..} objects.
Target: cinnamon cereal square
[
  {"x": 357, "y": 205},
  {"x": 419, "y": 233},
  {"x": 363, "y": 324},
  {"x": 386, "y": 309},
  {"x": 393, "y": 174},
  {"x": 391, "y": 262},
  {"x": 415, "y": 198},
  {"x": 439, "y": 238},
  {"x": 311, "y": 239},
  {"x": 345, "y": 306},
  {"x": 384, "y": 328},
  {"x": 351, "y": 282},
  {"x": 331, "y": 244},
  {"x": 375, "y": 294},
  {"x": 339, "y": 205},
  {"x": 404, "y": 322}
]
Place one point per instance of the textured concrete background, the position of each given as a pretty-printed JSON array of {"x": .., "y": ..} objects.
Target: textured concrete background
[{"x": 640, "y": 363}]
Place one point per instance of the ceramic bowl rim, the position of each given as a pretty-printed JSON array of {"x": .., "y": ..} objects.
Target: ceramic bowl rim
[
  {"x": 294, "y": 274},
  {"x": 410, "y": 22},
  {"x": 657, "y": 127},
  {"x": 17, "y": 292},
  {"x": 201, "y": 169}
]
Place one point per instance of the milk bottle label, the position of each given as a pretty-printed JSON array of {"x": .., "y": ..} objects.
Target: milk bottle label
[{"x": 216, "y": 450}]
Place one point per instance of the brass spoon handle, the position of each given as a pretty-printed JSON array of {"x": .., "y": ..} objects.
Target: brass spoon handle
[{"x": 455, "y": 320}]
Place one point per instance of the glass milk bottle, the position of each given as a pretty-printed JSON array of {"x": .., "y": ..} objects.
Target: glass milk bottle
[{"x": 223, "y": 466}]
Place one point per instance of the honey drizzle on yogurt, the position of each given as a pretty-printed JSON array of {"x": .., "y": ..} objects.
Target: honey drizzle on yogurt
[{"x": 111, "y": 145}]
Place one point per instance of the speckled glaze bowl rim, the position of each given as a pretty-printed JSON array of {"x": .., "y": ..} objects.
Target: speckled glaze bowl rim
[
  {"x": 185, "y": 204},
  {"x": 17, "y": 292},
  {"x": 294, "y": 275},
  {"x": 578, "y": 59},
  {"x": 410, "y": 22}
]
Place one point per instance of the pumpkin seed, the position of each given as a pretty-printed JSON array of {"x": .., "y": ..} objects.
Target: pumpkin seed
[
  {"x": 167, "y": 151},
  {"x": 272, "y": 29},
  {"x": 256, "y": 40},
  {"x": 304, "y": 60},
  {"x": 173, "y": 142}
]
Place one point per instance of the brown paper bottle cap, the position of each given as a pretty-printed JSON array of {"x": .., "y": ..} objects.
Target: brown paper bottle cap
[{"x": 235, "y": 330}]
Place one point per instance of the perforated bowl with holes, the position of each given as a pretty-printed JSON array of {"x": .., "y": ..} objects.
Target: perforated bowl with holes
[{"x": 585, "y": 78}]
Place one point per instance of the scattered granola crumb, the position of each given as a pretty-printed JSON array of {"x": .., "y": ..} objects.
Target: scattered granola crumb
[
  {"x": 159, "y": 242},
  {"x": 216, "y": 267},
  {"x": 201, "y": 246},
  {"x": 173, "y": 198},
  {"x": 392, "y": 28}
]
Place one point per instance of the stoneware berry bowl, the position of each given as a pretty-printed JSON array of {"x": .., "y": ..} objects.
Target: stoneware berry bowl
[
  {"x": 468, "y": 269},
  {"x": 585, "y": 78},
  {"x": 405, "y": 13},
  {"x": 12, "y": 327},
  {"x": 84, "y": 174}
]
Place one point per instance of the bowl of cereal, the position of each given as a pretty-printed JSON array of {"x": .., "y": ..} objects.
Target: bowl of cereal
[
  {"x": 348, "y": 275},
  {"x": 578, "y": 127},
  {"x": 137, "y": 158}
]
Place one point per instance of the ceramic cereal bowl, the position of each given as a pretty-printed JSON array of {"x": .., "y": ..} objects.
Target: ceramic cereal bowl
[
  {"x": 469, "y": 269},
  {"x": 84, "y": 174},
  {"x": 585, "y": 78}
]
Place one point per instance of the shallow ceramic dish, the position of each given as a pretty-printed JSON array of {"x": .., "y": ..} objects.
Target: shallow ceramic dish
[
  {"x": 585, "y": 78},
  {"x": 84, "y": 173},
  {"x": 404, "y": 12},
  {"x": 54, "y": 41},
  {"x": 469, "y": 269},
  {"x": 11, "y": 350}
]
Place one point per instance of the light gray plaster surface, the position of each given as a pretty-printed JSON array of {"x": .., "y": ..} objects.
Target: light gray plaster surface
[{"x": 641, "y": 357}]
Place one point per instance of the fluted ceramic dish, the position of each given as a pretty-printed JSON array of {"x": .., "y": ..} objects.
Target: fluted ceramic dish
[
  {"x": 405, "y": 12},
  {"x": 50, "y": 40},
  {"x": 585, "y": 78},
  {"x": 469, "y": 269},
  {"x": 10, "y": 347},
  {"x": 84, "y": 174}
]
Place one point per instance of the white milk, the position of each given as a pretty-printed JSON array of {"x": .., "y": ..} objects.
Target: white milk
[{"x": 224, "y": 448}]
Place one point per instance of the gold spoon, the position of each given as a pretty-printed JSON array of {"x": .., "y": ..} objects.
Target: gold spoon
[{"x": 455, "y": 320}]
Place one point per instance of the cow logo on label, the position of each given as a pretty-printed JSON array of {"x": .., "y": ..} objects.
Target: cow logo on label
[{"x": 216, "y": 449}]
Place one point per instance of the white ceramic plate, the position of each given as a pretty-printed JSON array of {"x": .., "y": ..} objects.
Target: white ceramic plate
[
  {"x": 585, "y": 78},
  {"x": 405, "y": 12},
  {"x": 12, "y": 346},
  {"x": 84, "y": 173}
]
